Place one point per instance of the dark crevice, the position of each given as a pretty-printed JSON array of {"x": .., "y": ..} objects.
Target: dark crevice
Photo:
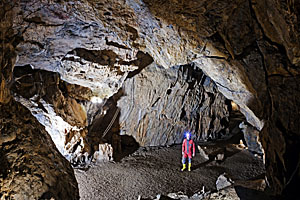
[
  {"x": 215, "y": 57},
  {"x": 107, "y": 13},
  {"x": 182, "y": 114},
  {"x": 218, "y": 84},
  {"x": 169, "y": 91},
  {"x": 102, "y": 57},
  {"x": 266, "y": 80},
  {"x": 217, "y": 38},
  {"x": 246, "y": 51},
  {"x": 142, "y": 61},
  {"x": 191, "y": 74},
  {"x": 202, "y": 100},
  {"x": 76, "y": 146},
  {"x": 211, "y": 98},
  {"x": 111, "y": 43},
  {"x": 4, "y": 170},
  {"x": 48, "y": 195},
  {"x": 264, "y": 67},
  {"x": 38, "y": 20},
  {"x": 210, "y": 134},
  {"x": 203, "y": 79},
  {"x": 224, "y": 122},
  {"x": 155, "y": 102},
  {"x": 134, "y": 33}
]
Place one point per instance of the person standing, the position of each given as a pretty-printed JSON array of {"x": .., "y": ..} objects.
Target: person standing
[{"x": 188, "y": 150}]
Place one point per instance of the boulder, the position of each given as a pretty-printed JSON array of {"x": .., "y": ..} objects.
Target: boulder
[
  {"x": 223, "y": 182},
  {"x": 251, "y": 136}
]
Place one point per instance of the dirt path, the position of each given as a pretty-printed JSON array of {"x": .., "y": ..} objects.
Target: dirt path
[{"x": 152, "y": 171}]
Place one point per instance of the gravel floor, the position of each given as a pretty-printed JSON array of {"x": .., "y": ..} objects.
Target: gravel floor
[{"x": 152, "y": 171}]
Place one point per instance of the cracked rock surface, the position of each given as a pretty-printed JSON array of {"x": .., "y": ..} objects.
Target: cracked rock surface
[{"x": 160, "y": 104}]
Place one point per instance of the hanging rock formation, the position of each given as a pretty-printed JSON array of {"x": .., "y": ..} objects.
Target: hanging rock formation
[{"x": 249, "y": 48}]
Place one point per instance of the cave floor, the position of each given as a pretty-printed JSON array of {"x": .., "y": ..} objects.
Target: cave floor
[{"x": 156, "y": 170}]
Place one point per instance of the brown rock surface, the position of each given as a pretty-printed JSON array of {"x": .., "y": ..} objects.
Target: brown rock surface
[
  {"x": 31, "y": 166},
  {"x": 58, "y": 105}
]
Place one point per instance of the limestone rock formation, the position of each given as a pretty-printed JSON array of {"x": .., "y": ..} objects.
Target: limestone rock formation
[
  {"x": 57, "y": 105},
  {"x": 249, "y": 48},
  {"x": 251, "y": 136},
  {"x": 74, "y": 38},
  {"x": 223, "y": 182},
  {"x": 31, "y": 166},
  {"x": 159, "y": 105}
]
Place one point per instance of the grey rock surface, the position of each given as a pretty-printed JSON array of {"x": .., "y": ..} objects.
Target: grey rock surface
[
  {"x": 251, "y": 136},
  {"x": 159, "y": 105},
  {"x": 223, "y": 182}
]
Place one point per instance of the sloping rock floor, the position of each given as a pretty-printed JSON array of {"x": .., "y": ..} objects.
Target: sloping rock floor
[{"x": 156, "y": 171}]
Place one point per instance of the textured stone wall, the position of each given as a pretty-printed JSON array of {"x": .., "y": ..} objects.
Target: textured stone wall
[
  {"x": 31, "y": 166},
  {"x": 255, "y": 62},
  {"x": 158, "y": 105}
]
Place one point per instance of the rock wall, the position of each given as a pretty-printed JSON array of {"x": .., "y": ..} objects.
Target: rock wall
[
  {"x": 251, "y": 137},
  {"x": 255, "y": 62},
  {"x": 57, "y": 105},
  {"x": 31, "y": 166},
  {"x": 158, "y": 105}
]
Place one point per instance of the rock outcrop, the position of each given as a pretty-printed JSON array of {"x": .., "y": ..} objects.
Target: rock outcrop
[
  {"x": 251, "y": 136},
  {"x": 31, "y": 166}
]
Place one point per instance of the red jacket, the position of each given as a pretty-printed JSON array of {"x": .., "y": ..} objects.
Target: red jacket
[{"x": 190, "y": 143}]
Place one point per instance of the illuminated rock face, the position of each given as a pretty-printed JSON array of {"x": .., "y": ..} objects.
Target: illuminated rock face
[
  {"x": 158, "y": 105},
  {"x": 250, "y": 49}
]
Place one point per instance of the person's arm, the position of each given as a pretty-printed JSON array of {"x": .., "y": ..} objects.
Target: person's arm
[
  {"x": 183, "y": 144},
  {"x": 194, "y": 149}
]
